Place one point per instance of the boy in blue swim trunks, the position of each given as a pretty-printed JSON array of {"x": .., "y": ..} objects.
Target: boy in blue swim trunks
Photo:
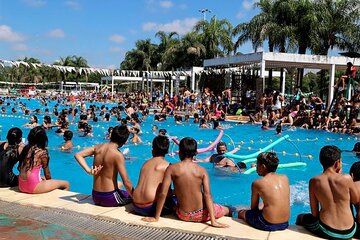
[
  {"x": 331, "y": 194},
  {"x": 108, "y": 162},
  {"x": 274, "y": 190},
  {"x": 150, "y": 181}
]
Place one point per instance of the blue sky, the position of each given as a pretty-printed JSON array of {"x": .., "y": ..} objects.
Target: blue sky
[{"x": 101, "y": 31}]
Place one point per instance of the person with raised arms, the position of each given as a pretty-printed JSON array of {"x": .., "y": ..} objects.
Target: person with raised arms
[{"x": 108, "y": 162}]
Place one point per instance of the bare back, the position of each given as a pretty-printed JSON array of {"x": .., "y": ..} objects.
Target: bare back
[
  {"x": 188, "y": 179},
  {"x": 334, "y": 192},
  {"x": 275, "y": 192},
  {"x": 150, "y": 180},
  {"x": 106, "y": 180}
]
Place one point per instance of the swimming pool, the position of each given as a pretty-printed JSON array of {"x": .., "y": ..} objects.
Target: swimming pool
[{"x": 227, "y": 188}]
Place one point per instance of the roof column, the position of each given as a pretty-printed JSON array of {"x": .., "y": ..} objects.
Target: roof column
[
  {"x": 283, "y": 84},
  {"x": 331, "y": 84},
  {"x": 262, "y": 73},
  {"x": 112, "y": 86},
  {"x": 192, "y": 79}
]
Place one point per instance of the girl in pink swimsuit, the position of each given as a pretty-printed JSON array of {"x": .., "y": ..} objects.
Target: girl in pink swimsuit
[{"x": 32, "y": 159}]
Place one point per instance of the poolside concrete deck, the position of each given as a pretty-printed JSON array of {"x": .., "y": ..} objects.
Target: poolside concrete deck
[{"x": 82, "y": 203}]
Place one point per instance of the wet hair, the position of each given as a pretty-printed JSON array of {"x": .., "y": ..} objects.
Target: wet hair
[
  {"x": 160, "y": 146},
  {"x": 35, "y": 118},
  {"x": 355, "y": 171},
  {"x": 162, "y": 132},
  {"x": 241, "y": 165},
  {"x": 278, "y": 128},
  {"x": 107, "y": 116},
  {"x": 187, "y": 148},
  {"x": 137, "y": 130},
  {"x": 87, "y": 128},
  {"x": 196, "y": 115},
  {"x": 329, "y": 155},
  {"x": 68, "y": 135},
  {"x": 37, "y": 137},
  {"x": 356, "y": 147},
  {"x": 124, "y": 121},
  {"x": 119, "y": 135},
  {"x": 220, "y": 144},
  {"x": 269, "y": 159},
  {"x": 14, "y": 136},
  {"x": 47, "y": 119},
  {"x": 83, "y": 117}
]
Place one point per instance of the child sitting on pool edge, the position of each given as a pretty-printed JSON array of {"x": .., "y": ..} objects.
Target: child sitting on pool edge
[
  {"x": 274, "y": 190},
  {"x": 192, "y": 189}
]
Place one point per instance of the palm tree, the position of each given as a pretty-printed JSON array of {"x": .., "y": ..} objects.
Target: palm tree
[
  {"x": 215, "y": 34},
  {"x": 334, "y": 19},
  {"x": 261, "y": 27},
  {"x": 169, "y": 44}
]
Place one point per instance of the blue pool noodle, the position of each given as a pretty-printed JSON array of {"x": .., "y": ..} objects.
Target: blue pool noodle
[
  {"x": 284, "y": 165},
  {"x": 254, "y": 155}
]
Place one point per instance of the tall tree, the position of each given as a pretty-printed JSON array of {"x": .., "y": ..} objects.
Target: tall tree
[
  {"x": 216, "y": 36},
  {"x": 169, "y": 43}
]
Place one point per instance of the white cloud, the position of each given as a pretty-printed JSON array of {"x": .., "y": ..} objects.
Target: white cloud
[
  {"x": 56, "y": 33},
  {"x": 117, "y": 38},
  {"x": 166, "y": 4},
  {"x": 115, "y": 49},
  {"x": 248, "y": 4},
  {"x": 179, "y": 26},
  {"x": 111, "y": 66},
  {"x": 240, "y": 15},
  {"x": 73, "y": 4},
  {"x": 8, "y": 35},
  {"x": 19, "y": 47},
  {"x": 35, "y": 3}
]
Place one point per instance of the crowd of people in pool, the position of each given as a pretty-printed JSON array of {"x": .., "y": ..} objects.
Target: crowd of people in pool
[{"x": 331, "y": 193}]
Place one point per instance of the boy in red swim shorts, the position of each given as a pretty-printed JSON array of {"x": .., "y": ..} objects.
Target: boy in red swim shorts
[{"x": 192, "y": 189}]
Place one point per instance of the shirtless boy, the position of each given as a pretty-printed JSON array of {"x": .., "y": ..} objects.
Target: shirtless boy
[
  {"x": 68, "y": 145},
  {"x": 192, "y": 189},
  {"x": 108, "y": 161},
  {"x": 334, "y": 192},
  {"x": 355, "y": 175},
  {"x": 274, "y": 190},
  {"x": 150, "y": 180}
]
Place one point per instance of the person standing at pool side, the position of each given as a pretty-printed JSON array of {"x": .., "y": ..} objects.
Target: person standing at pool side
[
  {"x": 150, "y": 180},
  {"x": 108, "y": 162},
  {"x": 192, "y": 189},
  {"x": 274, "y": 190},
  {"x": 9, "y": 156},
  {"x": 34, "y": 157},
  {"x": 334, "y": 192}
]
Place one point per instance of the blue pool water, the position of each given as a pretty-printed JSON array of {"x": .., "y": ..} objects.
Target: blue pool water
[{"x": 227, "y": 188}]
